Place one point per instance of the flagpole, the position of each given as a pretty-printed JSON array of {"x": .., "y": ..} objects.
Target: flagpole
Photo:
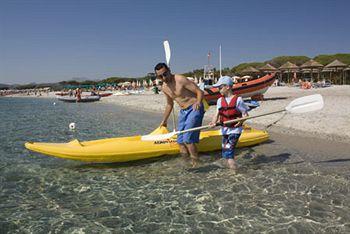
[
  {"x": 208, "y": 58},
  {"x": 220, "y": 61}
]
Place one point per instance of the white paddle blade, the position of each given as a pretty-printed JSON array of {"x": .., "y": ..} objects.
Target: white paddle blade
[
  {"x": 159, "y": 137},
  {"x": 306, "y": 104},
  {"x": 167, "y": 51}
]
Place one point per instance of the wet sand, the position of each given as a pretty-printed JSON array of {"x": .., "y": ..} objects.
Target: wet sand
[{"x": 319, "y": 154}]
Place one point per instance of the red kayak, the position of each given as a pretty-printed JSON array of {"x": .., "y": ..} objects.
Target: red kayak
[
  {"x": 104, "y": 94},
  {"x": 250, "y": 88}
]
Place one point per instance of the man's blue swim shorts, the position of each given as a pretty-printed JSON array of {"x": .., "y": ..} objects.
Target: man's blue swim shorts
[
  {"x": 189, "y": 118},
  {"x": 229, "y": 143}
]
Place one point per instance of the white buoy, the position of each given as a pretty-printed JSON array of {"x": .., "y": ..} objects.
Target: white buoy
[
  {"x": 72, "y": 126},
  {"x": 54, "y": 103}
]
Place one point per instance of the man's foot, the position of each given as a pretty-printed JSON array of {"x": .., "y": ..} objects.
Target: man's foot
[
  {"x": 185, "y": 156},
  {"x": 194, "y": 161}
]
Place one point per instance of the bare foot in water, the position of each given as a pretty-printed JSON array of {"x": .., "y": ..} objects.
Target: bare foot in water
[
  {"x": 231, "y": 164},
  {"x": 194, "y": 162}
]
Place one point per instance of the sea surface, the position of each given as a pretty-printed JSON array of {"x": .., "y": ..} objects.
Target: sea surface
[{"x": 287, "y": 185}]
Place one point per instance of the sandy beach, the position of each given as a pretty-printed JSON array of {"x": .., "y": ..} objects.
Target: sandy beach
[{"x": 331, "y": 123}]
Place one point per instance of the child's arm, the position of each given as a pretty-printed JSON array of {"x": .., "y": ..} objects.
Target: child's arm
[
  {"x": 214, "y": 119},
  {"x": 243, "y": 109},
  {"x": 240, "y": 123}
]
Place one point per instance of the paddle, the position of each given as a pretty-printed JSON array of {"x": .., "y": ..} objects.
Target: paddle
[
  {"x": 167, "y": 58},
  {"x": 299, "y": 105}
]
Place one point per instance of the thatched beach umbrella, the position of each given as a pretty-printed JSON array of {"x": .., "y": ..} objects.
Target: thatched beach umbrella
[
  {"x": 310, "y": 66},
  {"x": 268, "y": 68},
  {"x": 289, "y": 67},
  {"x": 250, "y": 70},
  {"x": 336, "y": 66}
]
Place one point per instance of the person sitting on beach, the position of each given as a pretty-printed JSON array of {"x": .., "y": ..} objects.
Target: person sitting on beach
[
  {"x": 189, "y": 97},
  {"x": 94, "y": 92},
  {"x": 229, "y": 107}
]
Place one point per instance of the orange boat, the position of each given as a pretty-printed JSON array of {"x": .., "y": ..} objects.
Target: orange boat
[{"x": 256, "y": 87}]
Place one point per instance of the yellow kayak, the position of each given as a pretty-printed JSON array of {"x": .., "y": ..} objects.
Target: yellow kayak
[{"x": 123, "y": 149}]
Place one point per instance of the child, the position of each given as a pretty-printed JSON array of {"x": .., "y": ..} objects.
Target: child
[{"x": 229, "y": 107}]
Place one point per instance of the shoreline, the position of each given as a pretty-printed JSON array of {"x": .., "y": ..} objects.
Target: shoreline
[{"x": 332, "y": 123}]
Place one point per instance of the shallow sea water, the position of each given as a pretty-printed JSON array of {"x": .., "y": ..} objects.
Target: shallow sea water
[{"x": 276, "y": 189}]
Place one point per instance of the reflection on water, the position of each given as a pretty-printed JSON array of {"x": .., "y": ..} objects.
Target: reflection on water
[{"x": 272, "y": 192}]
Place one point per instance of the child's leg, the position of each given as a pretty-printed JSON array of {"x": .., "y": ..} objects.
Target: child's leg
[
  {"x": 228, "y": 149},
  {"x": 231, "y": 163}
]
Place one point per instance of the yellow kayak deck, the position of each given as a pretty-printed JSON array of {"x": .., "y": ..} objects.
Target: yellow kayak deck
[{"x": 123, "y": 149}]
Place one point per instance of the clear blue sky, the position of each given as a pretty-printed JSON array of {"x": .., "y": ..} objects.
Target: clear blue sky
[{"x": 46, "y": 41}]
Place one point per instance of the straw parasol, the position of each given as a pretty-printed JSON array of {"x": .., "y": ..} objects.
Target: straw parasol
[
  {"x": 250, "y": 70},
  {"x": 310, "y": 66},
  {"x": 288, "y": 67},
  {"x": 336, "y": 63},
  {"x": 268, "y": 68},
  {"x": 335, "y": 66}
]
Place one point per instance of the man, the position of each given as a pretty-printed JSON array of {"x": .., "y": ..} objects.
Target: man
[{"x": 189, "y": 97}]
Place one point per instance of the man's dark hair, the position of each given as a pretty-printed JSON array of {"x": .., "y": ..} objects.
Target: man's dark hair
[{"x": 160, "y": 66}]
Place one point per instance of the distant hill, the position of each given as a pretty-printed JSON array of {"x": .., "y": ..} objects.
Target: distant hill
[
  {"x": 4, "y": 86},
  {"x": 237, "y": 69},
  {"x": 326, "y": 59},
  {"x": 280, "y": 60}
]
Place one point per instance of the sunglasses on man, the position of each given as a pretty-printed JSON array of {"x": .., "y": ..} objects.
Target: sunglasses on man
[{"x": 165, "y": 74}]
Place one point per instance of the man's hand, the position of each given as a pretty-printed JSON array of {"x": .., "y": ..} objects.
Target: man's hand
[
  {"x": 163, "y": 124},
  {"x": 196, "y": 105}
]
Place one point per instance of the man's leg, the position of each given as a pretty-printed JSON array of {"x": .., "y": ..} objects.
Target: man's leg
[
  {"x": 192, "y": 149},
  {"x": 192, "y": 119},
  {"x": 183, "y": 151}
]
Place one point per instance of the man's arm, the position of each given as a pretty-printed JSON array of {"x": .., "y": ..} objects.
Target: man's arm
[
  {"x": 168, "y": 108},
  {"x": 191, "y": 86}
]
